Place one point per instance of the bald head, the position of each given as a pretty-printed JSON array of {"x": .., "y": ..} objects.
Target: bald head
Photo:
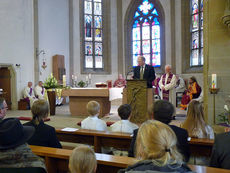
[
  {"x": 141, "y": 60},
  {"x": 168, "y": 69}
]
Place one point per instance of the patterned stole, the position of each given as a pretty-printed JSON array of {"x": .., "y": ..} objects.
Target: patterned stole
[
  {"x": 166, "y": 93},
  {"x": 30, "y": 93},
  {"x": 42, "y": 90}
]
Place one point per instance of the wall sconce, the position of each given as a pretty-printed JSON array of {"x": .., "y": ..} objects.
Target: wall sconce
[
  {"x": 226, "y": 17},
  {"x": 44, "y": 65}
]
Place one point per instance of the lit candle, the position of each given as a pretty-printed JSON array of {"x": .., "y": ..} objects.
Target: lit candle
[
  {"x": 214, "y": 81},
  {"x": 72, "y": 77},
  {"x": 75, "y": 78},
  {"x": 89, "y": 76},
  {"x": 64, "y": 80}
]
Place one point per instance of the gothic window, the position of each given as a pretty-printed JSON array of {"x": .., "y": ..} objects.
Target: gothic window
[
  {"x": 196, "y": 30},
  {"x": 146, "y": 36},
  {"x": 93, "y": 35}
]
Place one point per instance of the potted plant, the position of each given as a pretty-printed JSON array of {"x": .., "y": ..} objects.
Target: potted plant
[
  {"x": 224, "y": 117},
  {"x": 50, "y": 85}
]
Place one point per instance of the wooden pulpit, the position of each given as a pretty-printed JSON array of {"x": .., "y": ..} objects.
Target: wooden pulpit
[{"x": 140, "y": 98}]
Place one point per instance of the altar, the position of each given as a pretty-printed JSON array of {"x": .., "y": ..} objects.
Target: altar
[{"x": 79, "y": 97}]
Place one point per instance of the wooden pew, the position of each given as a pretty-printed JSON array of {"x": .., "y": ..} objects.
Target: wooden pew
[
  {"x": 57, "y": 161},
  {"x": 98, "y": 139},
  {"x": 201, "y": 147}
]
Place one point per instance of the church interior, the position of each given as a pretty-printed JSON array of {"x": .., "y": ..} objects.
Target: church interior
[{"x": 89, "y": 45}]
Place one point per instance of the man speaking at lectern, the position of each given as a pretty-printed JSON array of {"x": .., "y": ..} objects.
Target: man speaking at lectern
[{"x": 144, "y": 71}]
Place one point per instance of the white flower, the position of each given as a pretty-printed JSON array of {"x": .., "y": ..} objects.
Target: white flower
[{"x": 226, "y": 107}]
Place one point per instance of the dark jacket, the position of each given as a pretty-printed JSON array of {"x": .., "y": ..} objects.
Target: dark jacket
[
  {"x": 149, "y": 74},
  {"x": 148, "y": 166},
  {"x": 220, "y": 157},
  {"x": 44, "y": 135},
  {"x": 182, "y": 142}
]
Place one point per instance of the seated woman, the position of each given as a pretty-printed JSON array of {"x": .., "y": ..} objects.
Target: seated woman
[
  {"x": 197, "y": 128},
  {"x": 44, "y": 135},
  {"x": 83, "y": 160},
  {"x": 194, "y": 122},
  {"x": 14, "y": 152},
  {"x": 193, "y": 92},
  {"x": 120, "y": 82},
  {"x": 156, "y": 147}
]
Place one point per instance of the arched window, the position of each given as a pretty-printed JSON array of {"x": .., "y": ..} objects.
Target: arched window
[
  {"x": 146, "y": 35},
  {"x": 196, "y": 56},
  {"x": 93, "y": 34}
]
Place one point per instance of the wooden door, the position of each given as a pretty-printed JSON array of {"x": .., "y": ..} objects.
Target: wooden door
[{"x": 5, "y": 84}]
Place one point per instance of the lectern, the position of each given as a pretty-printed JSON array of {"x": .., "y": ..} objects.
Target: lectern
[{"x": 140, "y": 98}]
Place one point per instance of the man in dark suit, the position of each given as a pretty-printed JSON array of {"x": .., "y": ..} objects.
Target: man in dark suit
[
  {"x": 163, "y": 111},
  {"x": 144, "y": 71},
  {"x": 220, "y": 157}
]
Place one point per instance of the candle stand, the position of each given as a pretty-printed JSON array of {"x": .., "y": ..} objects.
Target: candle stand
[{"x": 214, "y": 91}]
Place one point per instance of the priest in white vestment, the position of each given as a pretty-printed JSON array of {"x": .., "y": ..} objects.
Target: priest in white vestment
[
  {"x": 28, "y": 94},
  {"x": 39, "y": 90},
  {"x": 167, "y": 85}
]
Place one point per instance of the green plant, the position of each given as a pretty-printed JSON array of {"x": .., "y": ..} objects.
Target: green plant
[
  {"x": 81, "y": 84},
  {"x": 51, "y": 82},
  {"x": 224, "y": 117}
]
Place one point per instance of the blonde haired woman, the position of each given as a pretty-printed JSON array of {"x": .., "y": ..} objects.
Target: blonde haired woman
[
  {"x": 83, "y": 160},
  {"x": 156, "y": 148},
  {"x": 44, "y": 135},
  {"x": 195, "y": 124}
]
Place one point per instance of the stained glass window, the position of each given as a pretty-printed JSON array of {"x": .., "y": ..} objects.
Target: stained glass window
[
  {"x": 196, "y": 57},
  {"x": 146, "y": 34},
  {"x": 93, "y": 34}
]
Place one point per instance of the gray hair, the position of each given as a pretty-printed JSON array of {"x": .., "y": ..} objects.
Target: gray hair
[
  {"x": 168, "y": 65},
  {"x": 142, "y": 57}
]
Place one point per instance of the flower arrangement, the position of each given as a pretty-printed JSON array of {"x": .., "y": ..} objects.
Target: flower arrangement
[
  {"x": 81, "y": 84},
  {"x": 224, "y": 117},
  {"x": 51, "y": 82}
]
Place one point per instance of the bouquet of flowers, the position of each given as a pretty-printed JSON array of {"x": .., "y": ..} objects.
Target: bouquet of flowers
[
  {"x": 51, "y": 82},
  {"x": 224, "y": 117}
]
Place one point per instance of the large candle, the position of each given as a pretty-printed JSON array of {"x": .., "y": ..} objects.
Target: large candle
[
  {"x": 64, "y": 80},
  {"x": 214, "y": 81}
]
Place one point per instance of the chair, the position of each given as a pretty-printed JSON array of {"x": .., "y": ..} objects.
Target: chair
[{"x": 23, "y": 170}]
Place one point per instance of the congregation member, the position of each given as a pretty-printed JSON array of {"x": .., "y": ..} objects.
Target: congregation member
[
  {"x": 197, "y": 128},
  {"x": 120, "y": 82},
  {"x": 44, "y": 135},
  {"x": 83, "y": 160},
  {"x": 167, "y": 83},
  {"x": 163, "y": 111},
  {"x": 93, "y": 122},
  {"x": 195, "y": 123},
  {"x": 3, "y": 108},
  {"x": 144, "y": 71},
  {"x": 40, "y": 90},
  {"x": 156, "y": 148},
  {"x": 124, "y": 125},
  {"x": 28, "y": 94},
  {"x": 220, "y": 157},
  {"x": 193, "y": 92},
  {"x": 14, "y": 151}
]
